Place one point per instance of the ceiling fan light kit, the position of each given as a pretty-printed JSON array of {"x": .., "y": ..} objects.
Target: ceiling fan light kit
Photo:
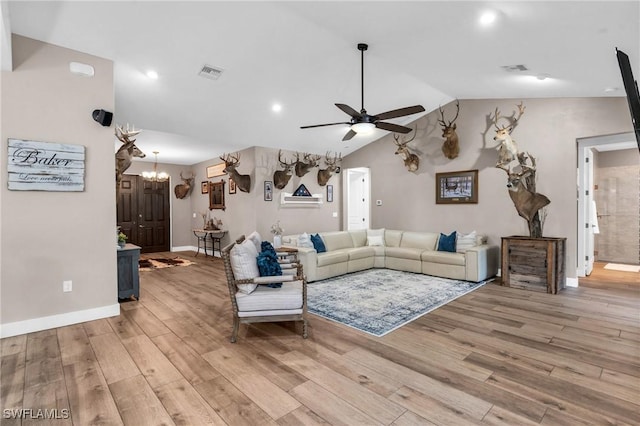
[{"x": 363, "y": 123}]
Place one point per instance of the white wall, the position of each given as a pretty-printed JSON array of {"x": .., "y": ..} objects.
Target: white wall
[{"x": 48, "y": 237}]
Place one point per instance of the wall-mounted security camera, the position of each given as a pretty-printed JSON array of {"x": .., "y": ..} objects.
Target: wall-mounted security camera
[{"x": 103, "y": 117}]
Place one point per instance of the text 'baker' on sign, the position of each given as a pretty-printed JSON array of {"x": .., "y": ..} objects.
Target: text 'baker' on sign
[{"x": 45, "y": 166}]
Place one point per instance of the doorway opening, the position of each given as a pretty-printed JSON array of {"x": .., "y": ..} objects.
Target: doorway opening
[
  {"x": 608, "y": 202},
  {"x": 357, "y": 182},
  {"x": 143, "y": 213}
]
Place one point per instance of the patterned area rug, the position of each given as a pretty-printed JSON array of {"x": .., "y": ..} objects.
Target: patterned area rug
[
  {"x": 377, "y": 301},
  {"x": 149, "y": 263}
]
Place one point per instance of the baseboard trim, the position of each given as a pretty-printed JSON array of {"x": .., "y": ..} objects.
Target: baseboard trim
[
  {"x": 60, "y": 320},
  {"x": 572, "y": 282},
  {"x": 184, "y": 248}
]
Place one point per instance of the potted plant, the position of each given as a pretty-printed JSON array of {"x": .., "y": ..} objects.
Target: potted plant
[
  {"x": 122, "y": 240},
  {"x": 277, "y": 232}
]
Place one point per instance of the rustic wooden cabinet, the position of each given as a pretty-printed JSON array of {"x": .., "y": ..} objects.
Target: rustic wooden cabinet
[
  {"x": 534, "y": 263},
  {"x": 128, "y": 278}
]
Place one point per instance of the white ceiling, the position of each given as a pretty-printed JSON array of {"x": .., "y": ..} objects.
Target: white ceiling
[{"x": 303, "y": 55}]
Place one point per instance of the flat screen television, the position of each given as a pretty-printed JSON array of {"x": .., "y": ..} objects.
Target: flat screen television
[{"x": 631, "y": 87}]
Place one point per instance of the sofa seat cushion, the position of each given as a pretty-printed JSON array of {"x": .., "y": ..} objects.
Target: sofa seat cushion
[
  {"x": 264, "y": 298},
  {"x": 404, "y": 253},
  {"x": 332, "y": 257},
  {"x": 361, "y": 253},
  {"x": 378, "y": 250},
  {"x": 444, "y": 257}
]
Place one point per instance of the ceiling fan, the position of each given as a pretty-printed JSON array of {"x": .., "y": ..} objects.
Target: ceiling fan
[{"x": 361, "y": 122}]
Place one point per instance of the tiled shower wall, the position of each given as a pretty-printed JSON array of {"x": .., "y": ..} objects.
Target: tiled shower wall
[{"x": 617, "y": 197}]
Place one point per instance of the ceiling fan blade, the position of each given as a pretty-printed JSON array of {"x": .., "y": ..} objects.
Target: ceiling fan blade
[
  {"x": 347, "y": 109},
  {"x": 400, "y": 112},
  {"x": 392, "y": 127},
  {"x": 322, "y": 125},
  {"x": 349, "y": 135}
]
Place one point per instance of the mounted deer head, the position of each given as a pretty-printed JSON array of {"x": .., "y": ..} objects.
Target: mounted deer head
[
  {"x": 411, "y": 160},
  {"x": 281, "y": 177},
  {"x": 126, "y": 152},
  {"x": 508, "y": 149},
  {"x": 303, "y": 167},
  {"x": 183, "y": 189},
  {"x": 231, "y": 162},
  {"x": 523, "y": 193},
  {"x": 450, "y": 147},
  {"x": 325, "y": 174}
]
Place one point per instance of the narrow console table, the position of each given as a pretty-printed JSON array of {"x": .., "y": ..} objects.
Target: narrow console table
[
  {"x": 534, "y": 263},
  {"x": 128, "y": 278},
  {"x": 216, "y": 237}
]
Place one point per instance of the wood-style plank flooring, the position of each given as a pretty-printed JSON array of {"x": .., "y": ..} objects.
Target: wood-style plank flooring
[{"x": 496, "y": 356}]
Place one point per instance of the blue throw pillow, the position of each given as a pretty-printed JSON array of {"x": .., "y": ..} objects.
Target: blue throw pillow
[
  {"x": 318, "y": 244},
  {"x": 268, "y": 263},
  {"x": 447, "y": 242}
]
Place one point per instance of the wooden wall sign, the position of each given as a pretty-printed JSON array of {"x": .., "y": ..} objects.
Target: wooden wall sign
[{"x": 45, "y": 166}]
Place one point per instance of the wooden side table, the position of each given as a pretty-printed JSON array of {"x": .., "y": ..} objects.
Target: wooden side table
[
  {"x": 536, "y": 264},
  {"x": 128, "y": 278}
]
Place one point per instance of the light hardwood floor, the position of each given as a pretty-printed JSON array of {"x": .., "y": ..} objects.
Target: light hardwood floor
[{"x": 496, "y": 356}]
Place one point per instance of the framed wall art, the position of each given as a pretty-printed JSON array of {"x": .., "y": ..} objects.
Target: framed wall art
[
  {"x": 217, "y": 170},
  {"x": 329, "y": 193},
  {"x": 268, "y": 190},
  {"x": 232, "y": 186},
  {"x": 457, "y": 187},
  {"x": 204, "y": 188}
]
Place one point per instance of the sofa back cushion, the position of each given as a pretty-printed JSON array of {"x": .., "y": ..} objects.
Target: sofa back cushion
[
  {"x": 359, "y": 237},
  {"x": 337, "y": 240},
  {"x": 392, "y": 238},
  {"x": 419, "y": 240}
]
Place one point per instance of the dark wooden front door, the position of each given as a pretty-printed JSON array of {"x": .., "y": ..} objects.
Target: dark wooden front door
[{"x": 143, "y": 213}]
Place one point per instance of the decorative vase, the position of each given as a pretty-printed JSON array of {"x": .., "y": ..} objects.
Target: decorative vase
[
  {"x": 277, "y": 241},
  {"x": 121, "y": 244}
]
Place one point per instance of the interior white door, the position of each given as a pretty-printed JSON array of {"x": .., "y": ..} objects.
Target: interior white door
[{"x": 358, "y": 209}]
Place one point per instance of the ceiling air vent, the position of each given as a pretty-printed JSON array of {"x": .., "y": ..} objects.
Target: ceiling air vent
[
  {"x": 514, "y": 68},
  {"x": 210, "y": 72}
]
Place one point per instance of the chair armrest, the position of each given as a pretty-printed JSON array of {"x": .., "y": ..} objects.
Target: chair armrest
[{"x": 273, "y": 279}]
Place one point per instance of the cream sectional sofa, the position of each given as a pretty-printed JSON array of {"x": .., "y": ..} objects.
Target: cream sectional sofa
[{"x": 411, "y": 251}]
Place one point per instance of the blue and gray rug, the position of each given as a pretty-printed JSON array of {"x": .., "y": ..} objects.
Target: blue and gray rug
[{"x": 377, "y": 301}]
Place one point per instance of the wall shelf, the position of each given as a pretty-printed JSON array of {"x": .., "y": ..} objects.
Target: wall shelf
[{"x": 286, "y": 198}]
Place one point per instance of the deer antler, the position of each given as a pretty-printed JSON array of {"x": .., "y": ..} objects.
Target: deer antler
[
  {"x": 283, "y": 163},
  {"x": 454, "y": 118},
  {"x": 404, "y": 143}
]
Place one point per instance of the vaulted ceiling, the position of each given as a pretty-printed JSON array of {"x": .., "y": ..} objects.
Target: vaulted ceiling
[{"x": 303, "y": 56}]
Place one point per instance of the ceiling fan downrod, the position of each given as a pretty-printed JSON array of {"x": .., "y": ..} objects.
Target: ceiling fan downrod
[{"x": 362, "y": 47}]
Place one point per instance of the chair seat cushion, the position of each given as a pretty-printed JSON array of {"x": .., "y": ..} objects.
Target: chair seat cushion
[
  {"x": 361, "y": 253},
  {"x": 263, "y": 298}
]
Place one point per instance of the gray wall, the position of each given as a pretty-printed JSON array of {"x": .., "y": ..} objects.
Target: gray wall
[
  {"x": 548, "y": 130},
  {"x": 48, "y": 237}
]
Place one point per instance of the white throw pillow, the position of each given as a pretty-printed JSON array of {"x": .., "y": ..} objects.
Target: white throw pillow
[
  {"x": 304, "y": 241},
  {"x": 375, "y": 237},
  {"x": 255, "y": 238},
  {"x": 466, "y": 241},
  {"x": 375, "y": 240},
  {"x": 244, "y": 264}
]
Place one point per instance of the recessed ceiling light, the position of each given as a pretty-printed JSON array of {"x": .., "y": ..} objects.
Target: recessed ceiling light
[
  {"x": 488, "y": 18},
  {"x": 611, "y": 89},
  {"x": 543, "y": 76},
  {"x": 152, "y": 75},
  {"x": 276, "y": 107}
]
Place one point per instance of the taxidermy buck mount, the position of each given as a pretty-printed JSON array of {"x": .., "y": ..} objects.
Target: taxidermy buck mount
[
  {"x": 521, "y": 180},
  {"x": 231, "y": 162},
  {"x": 508, "y": 149},
  {"x": 303, "y": 167},
  {"x": 450, "y": 147},
  {"x": 411, "y": 160},
  {"x": 281, "y": 177},
  {"x": 325, "y": 174},
  {"x": 126, "y": 152},
  {"x": 183, "y": 189}
]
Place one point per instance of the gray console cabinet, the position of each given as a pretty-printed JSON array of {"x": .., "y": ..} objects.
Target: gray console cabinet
[{"x": 128, "y": 278}]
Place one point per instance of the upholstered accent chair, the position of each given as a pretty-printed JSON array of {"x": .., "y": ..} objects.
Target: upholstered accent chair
[{"x": 254, "y": 298}]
